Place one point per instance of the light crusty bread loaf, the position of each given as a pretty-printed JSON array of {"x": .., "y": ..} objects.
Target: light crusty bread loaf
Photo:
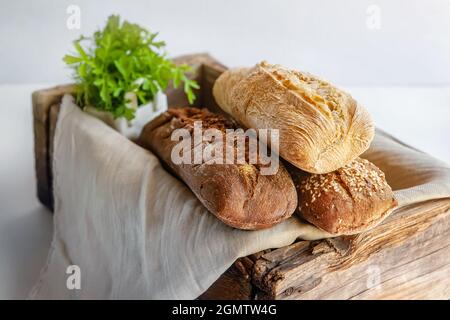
[
  {"x": 349, "y": 200},
  {"x": 238, "y": 194},
  {"x": 321, "y": 127}
]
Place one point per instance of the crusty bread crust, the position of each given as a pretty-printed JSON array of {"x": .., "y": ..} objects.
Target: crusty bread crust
[
  {"x": 350, "y": 200},
  {"x": 321, "y": 127},
  {"x": 237, "y": 194}
]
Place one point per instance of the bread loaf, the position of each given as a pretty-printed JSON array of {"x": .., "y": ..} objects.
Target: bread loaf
[
  {"x": 237, "y": 194},
  {"x": 321, "y": 127},
  {"x": 349, "y": 200}
]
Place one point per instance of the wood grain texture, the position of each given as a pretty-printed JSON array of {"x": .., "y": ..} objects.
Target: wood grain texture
[
  {"x": 234, "y": 284},
  {"x": 406, "y": 257},
  {"x": 210, "y": 72},
  {"x": 406, "y": 250},
  {"x": 176, "y": 96},
  {"x": 42, "y": 100}
]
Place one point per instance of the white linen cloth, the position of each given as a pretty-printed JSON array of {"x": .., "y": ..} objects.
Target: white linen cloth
[{"x": 135, "y": 231}]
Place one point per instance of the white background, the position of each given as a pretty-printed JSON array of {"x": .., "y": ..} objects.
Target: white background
[
  {"x": 326, "y": 37},
  {"x": 400, "y": 72}
]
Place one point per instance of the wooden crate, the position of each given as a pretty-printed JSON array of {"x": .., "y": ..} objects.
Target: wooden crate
[{"x": 406, "y": 257}]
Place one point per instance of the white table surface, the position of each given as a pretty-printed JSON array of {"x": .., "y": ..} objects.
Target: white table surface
[{"x": 419, "y": 116}]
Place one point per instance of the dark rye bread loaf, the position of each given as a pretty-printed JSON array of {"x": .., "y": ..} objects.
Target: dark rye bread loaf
[
  {"x": 349, "y": 200},
  {"x": 237, "y": 194}
]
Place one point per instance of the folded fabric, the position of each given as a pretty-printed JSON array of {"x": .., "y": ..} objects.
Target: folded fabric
[{"x": 136, "y": 232}]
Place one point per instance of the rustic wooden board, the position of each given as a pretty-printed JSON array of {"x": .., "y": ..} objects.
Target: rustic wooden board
[
  {"x": 42, "y": 100},
  {"x": 411, "y": 247},
  {"x": 406, "y": 257}
]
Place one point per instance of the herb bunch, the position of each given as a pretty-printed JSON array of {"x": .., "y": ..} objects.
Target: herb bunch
[{"x": 123, "y": 58}]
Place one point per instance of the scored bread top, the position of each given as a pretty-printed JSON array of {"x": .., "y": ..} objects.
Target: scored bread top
[
  {"x": 321, "y": 127},
  {"x": 188, "y": 116},
  {"x": 237, "y": 194}
]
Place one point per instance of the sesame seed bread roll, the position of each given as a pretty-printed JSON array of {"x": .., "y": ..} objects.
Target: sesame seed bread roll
[
  {"x": 350, "y": 200},
  {"x": 321, "y": 127}
]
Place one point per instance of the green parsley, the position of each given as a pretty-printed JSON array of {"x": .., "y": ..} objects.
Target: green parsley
[{"x": 122, "y": 58}]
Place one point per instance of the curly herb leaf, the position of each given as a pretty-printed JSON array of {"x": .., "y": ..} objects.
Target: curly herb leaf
[{"x": 122, "y": 58}]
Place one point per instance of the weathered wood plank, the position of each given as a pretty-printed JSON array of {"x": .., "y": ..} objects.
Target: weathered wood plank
[
  {"x": 41, "y": 101},
  {"x": 176, "y": 96},
  {"x": 234, "y": 284},
  {"x": 316, "y": 270},
  {"x": 420, "y": 277},
  {"x": 211, "y": 70}
]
